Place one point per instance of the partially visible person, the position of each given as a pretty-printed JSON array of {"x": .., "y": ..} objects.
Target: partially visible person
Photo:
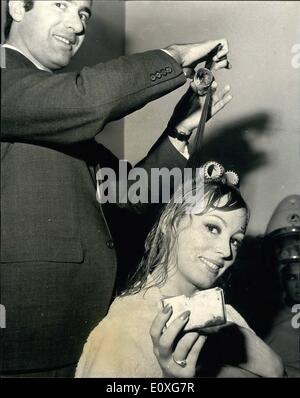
[
  {"x": 194, "y": 242},
  {"x": 283, "y": 233}
]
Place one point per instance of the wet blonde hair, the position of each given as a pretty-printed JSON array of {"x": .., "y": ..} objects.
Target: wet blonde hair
[{"x": 161, "y": 239}]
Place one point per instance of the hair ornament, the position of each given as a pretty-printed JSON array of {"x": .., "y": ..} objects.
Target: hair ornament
[
  {"x": 232, "y": 178},
  {"x": 215, "y": 172}
]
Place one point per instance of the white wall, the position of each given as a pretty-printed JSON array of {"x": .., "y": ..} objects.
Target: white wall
[{"x": 258, "y": 133}]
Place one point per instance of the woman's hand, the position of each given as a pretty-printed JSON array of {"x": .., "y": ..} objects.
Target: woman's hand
[{"x": 177, "y": 353}]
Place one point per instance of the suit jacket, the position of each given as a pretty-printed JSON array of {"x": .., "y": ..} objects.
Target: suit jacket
[{"x": 58, "y": 262}]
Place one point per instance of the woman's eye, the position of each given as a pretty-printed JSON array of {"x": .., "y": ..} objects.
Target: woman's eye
[
  {"x": 60, "y": 4},
  {"x": 213, "y": 229},
  {"x": 84, "y": 17},
  {"x": 236, "y": 243}
]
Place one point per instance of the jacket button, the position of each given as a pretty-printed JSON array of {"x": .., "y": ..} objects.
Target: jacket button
[
  {"x": 110, "y": 244},
  {"x": 158, "y": 75},
  {"x": 152, "y": 77},
  {"x": 169, "y": 69}
]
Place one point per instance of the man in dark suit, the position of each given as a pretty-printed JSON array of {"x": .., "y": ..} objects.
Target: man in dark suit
[{"x": 58, "y": 262}]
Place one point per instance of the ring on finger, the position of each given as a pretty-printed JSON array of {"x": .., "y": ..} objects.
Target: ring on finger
[{"x": 181, "y": 362}]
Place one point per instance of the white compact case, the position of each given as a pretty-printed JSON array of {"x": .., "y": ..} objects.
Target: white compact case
[{"x": 207, "y": 308}]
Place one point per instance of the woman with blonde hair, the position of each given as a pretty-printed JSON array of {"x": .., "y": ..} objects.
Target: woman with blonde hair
[{"x": 193, "y": 243}]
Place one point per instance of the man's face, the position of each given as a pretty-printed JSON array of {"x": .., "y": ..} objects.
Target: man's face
[
  {"x": 291, "y": 281},
  {"x": 53, "y": 31}
]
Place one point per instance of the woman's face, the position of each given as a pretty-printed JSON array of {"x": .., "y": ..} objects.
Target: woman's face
[{"x": 206, "y": 248}]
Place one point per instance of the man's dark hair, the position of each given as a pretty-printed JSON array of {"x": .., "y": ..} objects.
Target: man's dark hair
[{"x": 28, "y": 4}]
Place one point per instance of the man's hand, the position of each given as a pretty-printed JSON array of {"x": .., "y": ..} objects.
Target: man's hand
[
  {"x": 187, "y": 113},
  {"x": 219, "y": 101},
  {"x": 189, "y": 55}
]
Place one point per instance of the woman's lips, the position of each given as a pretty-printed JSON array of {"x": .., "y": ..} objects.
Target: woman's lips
[{"x": 212, "y": 266}]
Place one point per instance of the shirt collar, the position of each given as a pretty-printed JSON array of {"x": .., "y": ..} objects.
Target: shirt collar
[{"x": 36, "y": 63}]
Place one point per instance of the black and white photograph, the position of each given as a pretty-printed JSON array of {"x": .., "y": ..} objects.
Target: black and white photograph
[{"x": 150, "y": 191}]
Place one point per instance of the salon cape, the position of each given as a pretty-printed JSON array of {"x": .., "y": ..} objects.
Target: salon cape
[{"x": 121, "y": 345}]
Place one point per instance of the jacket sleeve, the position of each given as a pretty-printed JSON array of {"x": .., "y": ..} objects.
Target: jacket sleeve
[
  {"x": 146, "y": 186},
  {"x": 164, "y": 166},
  {"x": 66, "y": 108}
]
